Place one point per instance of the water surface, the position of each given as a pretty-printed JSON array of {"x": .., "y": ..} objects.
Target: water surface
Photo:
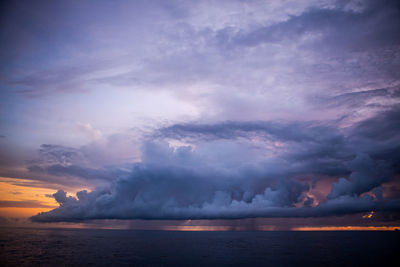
[{"x": 81, "y": 247}]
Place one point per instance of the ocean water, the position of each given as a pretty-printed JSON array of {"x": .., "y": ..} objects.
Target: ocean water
[{"x": 81, "y": 247}]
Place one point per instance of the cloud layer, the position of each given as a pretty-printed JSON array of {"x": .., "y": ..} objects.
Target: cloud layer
[{"x": 247, "y": 169}]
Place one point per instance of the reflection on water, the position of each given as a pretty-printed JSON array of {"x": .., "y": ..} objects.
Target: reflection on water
[{"x": 55, "y": 247}]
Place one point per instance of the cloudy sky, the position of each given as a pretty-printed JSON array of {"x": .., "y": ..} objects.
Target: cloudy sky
[{"x": 173, "y": 114}]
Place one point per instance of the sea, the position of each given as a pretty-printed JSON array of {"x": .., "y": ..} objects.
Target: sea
[{"x": 83, "y": 247}]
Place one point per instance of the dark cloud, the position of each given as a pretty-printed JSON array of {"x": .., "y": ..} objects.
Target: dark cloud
[
  {"x": 127, "y": 202},
  {"x": 383, "y": 127},
  {"x": 81, "y": 164},
  {"x": 227, "y": 176},
  {"x": 378, "y": 97},
  {"x": 366, "y": 175},
  {"x": 295, "y": 132},
  {"x": 61, "y": 197},
  {"x": 307, "y": 142},
  {"x": 309, "y": 146},
  {"x": 374, "y": 25},
  {"x": 379, "y": 136}
]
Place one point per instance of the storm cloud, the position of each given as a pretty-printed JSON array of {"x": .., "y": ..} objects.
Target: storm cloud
[{"x": 225, "y": 174}]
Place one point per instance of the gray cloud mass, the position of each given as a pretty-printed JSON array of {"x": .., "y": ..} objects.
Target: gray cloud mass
[{"x": 228, "y": 176}]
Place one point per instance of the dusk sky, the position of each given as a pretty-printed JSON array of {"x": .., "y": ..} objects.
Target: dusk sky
[{"x": 196, "y": 115}]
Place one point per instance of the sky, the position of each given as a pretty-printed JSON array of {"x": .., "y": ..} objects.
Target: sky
[{"x": 200, "y": 115}]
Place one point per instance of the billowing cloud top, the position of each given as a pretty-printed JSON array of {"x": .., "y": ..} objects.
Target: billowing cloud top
[{"x": 251, "y": 169}]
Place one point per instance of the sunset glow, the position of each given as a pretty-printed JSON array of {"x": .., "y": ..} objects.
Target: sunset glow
[
  {"x": 19, "y": 200},
  {"x": 199, "y": 132},
  {"x": 348, "y": 228}
]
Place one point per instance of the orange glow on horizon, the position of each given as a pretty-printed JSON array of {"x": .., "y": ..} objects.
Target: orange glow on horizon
[
  {"x": 21, "y": 212},
  {"x": 272, "y": 228},
  {"x": 19, "y": 200},
  {"x": 196, "y": 228},
  {"x": 346, "y": 228}
]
